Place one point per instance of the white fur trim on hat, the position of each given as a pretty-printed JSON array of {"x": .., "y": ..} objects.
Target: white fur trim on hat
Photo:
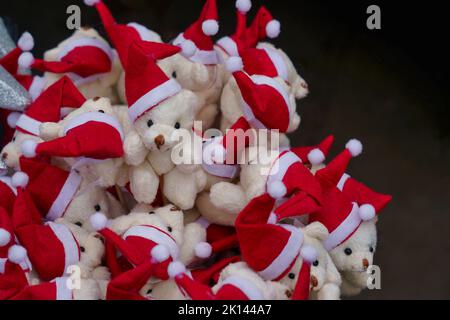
[
  {"x": 29, "y": 148},
  {"x": 367, "y": 212},
  {"x": 5, "y": 237},
  {"x": 243, "y": 6},
  {"x": 203, "y": 250},
  {"x": 234, "y": 64},
  {"x": 355, "y": 147},
  {"x": 273, "y": 29},
  {"x": 188, "y": 48},
  {"x": 308, "y": 253},
  {"x": 276, "y": 189},
  {"x": 98, "y": 221},
  {"x": 316, "y": 156},
  {"x": 20, "y": 179},
  {"x": 12, "y": 119},
  {"x": 176, "y": 269},
  {"x": 91, "y": 3},
  {"x": 17, "y": 254},
  {"x": 26, "y": 59},
  {"x": 160, "y": 253},
  {"x": 26, "y": 42},
  {"x": 210, "y": 27}
]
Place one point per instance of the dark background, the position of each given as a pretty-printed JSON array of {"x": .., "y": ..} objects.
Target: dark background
[{"x": 387, "y": 87}]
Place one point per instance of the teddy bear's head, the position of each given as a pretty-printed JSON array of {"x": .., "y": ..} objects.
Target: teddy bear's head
[
  {"x": 88, "y": 200},
  {"x": 91, "y": 247},
  {"x": 12, "y": 152},
  {"x": 323, "y": 270},
  {"x": 157, "y": 127},
  {"x": 356, "y": 253}
]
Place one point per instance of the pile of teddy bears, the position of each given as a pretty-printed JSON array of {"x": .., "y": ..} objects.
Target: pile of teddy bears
[{"x": 93, "y": 204}]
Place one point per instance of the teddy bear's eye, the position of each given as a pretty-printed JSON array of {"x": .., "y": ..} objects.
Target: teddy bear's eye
[
  {"x": 78, "y": 223},
  {"x": 291, "y": 275},
  {"x": 371, "y": 249},
  {"x": 149, "y": 291},
  {"x": 151, "y": 212},
  {"x": 97, "y": 207},
  {"x": 174, "y": 74},
  {"x": 149, "y": 123},
  {"x": 101, "y": 111},
  {"x": 177, "y": 125},
  {"x": 82, "y": 249},
  {"x": 14, "y": 139},
  {"x": 348, "y": 251},
  {"x": 169, "y": 229},
  {"x": 316, "y": 263}
]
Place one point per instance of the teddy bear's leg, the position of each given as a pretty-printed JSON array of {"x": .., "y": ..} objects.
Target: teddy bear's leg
[
  {"x": 228, "y": 196},
  {"x": 107, "y": 171},
  {"x": 180, "y": 188},
  {"x": 193, "y": 235},
  {"x": 212, "y": 213},
  {"x": 144, "y": 183},
  {"x": 89, "y": 290}
]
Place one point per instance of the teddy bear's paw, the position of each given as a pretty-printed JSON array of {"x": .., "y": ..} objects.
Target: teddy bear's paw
[
  {"x": 49, "y": 131},
  {"x": 329, "y": 291},
  {"x": 228, "y": 196},
  {"x": 134, "y": 148}
]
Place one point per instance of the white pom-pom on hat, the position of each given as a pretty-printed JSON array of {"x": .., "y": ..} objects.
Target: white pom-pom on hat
[
  {"x": 234, "y": 64},
  {"x": 12, "y": 119},
  {"x": 19, "y": 179},
  {"x": 367, "y": 212},
  {"x": 273, "y": 29},
  {"x": 308, "y": 253},
  {"x": 160, "y": 253},
  {"x": 5, "y": 237},
  {"x": 355, "y": 147},
  {"x": 276, "y": 189},
  {"x": 176, "y": 269},
  {"x": 17, "y": 254},
  {"x": 26, "y": 42},
  {"x": 243, "y": 6},
  {"x": 316, "y": 157},
  {"x": 29, "y": 148},
  {"x": 203, "y": 250},
  {"x": 210, "y": 27},
  {"x": 188, "y": 48},
  {"x": 91, "y": 3},
  {"x": 98, "y": 221},
  {"x": 26, "y": 59}
]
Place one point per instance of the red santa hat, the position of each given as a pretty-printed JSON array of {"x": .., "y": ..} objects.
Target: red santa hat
[
  {"x": 50, "y": 106},
  {"x": 261, "y": 95},
  {"x": 264, "y": 61},
  {"x": 121, "y": 35},
  {"x": 126, "y": 286},
  {"x": 51, "y": 247},
  {"x": 136, "y": 244},
  {"x": 218, "y": 238},
  {"x": 210, "y": 275},
  {"x": 233, "y": 44},
  {"x": 302, "y": 287},
  {"x": 57, "y": 289},
  {"x": 78, "y": 140},
  {"x": 263, "y": 26},
  {"x": 10, "y": 61},
  {"x": 232, "y": 288},
  {"x": 13, "y": 280},
  {"x": 314, "y": 155},
  {"x": 7, "y": 193},
  {"x": 35, "y": 85},
  {"x": 146, "y": 84},
  {"x": 196, "y": 42},
  {"x": 270, "y": 249},
  {"x": 340, "y": 213},
  {"x": 84, "y": 60},
  {"x": 51, "y": 188}
]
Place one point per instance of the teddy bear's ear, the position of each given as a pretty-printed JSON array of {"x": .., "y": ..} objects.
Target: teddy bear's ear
[{"x": 316, "y": 230}]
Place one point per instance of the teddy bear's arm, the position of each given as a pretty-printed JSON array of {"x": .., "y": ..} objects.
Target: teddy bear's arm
[
  {"x": 143, "y": 182},
  {"x": 228, "y": 196},
  {"x": 50, "y": 130},
  {"x": 193, "y": 235},
  {"x": 134, "y": 148}
]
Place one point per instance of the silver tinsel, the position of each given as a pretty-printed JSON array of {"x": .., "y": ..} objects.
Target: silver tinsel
[
  {"x": 3, "y": 168},
  {"x": 6, "y": 43},
  {"x": 12, "y": 95}
]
